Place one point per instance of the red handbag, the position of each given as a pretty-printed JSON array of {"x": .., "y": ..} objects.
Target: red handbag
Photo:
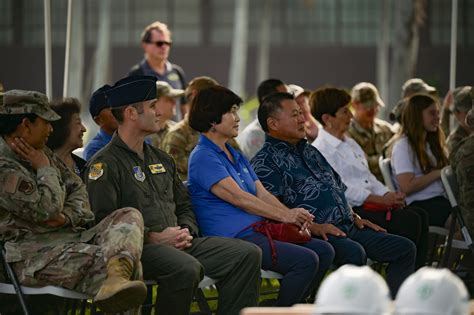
[
  {"x": 379, "y": 207},
  {"x": 285, "y": 232}
]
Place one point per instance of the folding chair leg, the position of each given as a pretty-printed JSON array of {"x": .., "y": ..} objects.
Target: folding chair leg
[
  {"x": 201, "y": 300},
  {"x": 11, "y": 275},
  {"x": 449, "y": 242},
  {"x": 148, "y": 304}
]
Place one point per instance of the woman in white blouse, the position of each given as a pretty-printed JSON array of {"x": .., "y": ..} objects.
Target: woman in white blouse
[
  {"x": 418, "y": 157},
  {"x": 330, "y": 106}
]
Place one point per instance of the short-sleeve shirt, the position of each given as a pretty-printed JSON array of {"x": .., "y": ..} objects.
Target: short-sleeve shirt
[
  {"x": 251, "y": 139},
  {"x": 403, "y": 160},
  {"x": 300, "y": 176},
  {"x": 209, "y": 164},
  {"x": 95, "y": 144}
]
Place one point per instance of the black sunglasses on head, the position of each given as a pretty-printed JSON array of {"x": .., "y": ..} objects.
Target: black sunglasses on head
[{"x": 159, "y": 43}]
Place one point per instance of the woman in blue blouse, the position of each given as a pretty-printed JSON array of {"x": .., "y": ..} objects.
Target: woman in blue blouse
[{"x": 228, "y": 197}]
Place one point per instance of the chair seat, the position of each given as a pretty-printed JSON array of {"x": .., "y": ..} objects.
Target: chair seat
[
  {"x": 7, "y": 288},
  {"x": 205, "y": 282},
  {"x": 438, "y": 230},
  {"x": 268, "y": 274}
]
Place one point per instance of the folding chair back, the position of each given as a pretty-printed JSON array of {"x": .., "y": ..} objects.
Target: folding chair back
[
  {"x": 439, "y": 233},
  {"x": 386, "y": 169}
]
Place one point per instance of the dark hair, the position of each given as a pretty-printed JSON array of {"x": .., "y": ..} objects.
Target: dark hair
[
  {"x": 118, "y": 112},
  {"x": 327, "y": 100},
  {"x": 9, "y": 123},
  {"x": 267, "y": 87},
  {"x": 271, "y": 104},
  {"x": 413, "y": 128},
  {"x": 65, "y": 108},
  {"x": 209, "y": 105}
]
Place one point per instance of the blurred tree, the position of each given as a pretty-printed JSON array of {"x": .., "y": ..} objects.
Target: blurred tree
[{"x": 409, "y": 16}]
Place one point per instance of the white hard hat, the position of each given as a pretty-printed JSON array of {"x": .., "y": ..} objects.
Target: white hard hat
[
  {"x": 353, "y": 290},
  {"x": 432, "y": 291}
]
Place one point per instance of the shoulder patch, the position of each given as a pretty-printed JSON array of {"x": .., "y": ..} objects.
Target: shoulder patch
[
  {"x": 96, "y": 171},
  {"x": 10, "y": 184}
]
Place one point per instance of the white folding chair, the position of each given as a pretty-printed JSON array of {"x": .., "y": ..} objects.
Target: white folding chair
[{"x": 452, "y": 190}]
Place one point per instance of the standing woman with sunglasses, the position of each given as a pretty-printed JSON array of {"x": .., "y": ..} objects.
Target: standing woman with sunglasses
[
  {"x": 418, "y": 156},
  {"x": 156, "y": 44}
]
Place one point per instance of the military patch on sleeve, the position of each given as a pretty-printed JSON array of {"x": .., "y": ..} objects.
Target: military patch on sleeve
[
  {"x": 26, "y": 187},
  {"x": 157, "y": 168},
  {"x": 96, "y": 171},
  {"x": 10, "y": 184}
]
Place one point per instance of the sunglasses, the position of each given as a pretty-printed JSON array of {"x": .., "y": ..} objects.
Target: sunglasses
[{"x": 160, "y": 43}]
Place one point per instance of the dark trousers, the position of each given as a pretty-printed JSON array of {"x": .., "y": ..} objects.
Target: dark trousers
[
  {"x": 234, "y": 263},
  {"x": 302, "y": 265},
  {"x": 410, "y": 222},
  {"x": 438, "y": 209},
  {"x": 398, "y": 251}
]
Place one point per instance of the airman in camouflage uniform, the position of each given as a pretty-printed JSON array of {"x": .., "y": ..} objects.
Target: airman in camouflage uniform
[
  {"x": 462, "y": 104},
  {"x": 44, "y": 212},
  {"x": 181, "y": 138},
  {"x": 166, "y": 99},
  {"x": 180, "y": 142},
  {"x": 463, "y": 165},
  {"x": 369, "y": 132}
]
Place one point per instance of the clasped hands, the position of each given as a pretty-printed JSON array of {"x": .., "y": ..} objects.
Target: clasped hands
[{"x": 179, "y": 238}]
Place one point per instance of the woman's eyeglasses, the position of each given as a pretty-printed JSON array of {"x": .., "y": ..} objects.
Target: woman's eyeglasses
[{"x": 160, "y": 43}]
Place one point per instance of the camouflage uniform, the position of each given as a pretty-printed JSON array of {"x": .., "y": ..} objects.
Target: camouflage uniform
[
  {"x": 157, "y": 138},
  {"x": 454, "y": 140},
  {"x": 70, "y": 256},
  {"x": 180, "y": 141},
  {"x": 463, "y": 166},
  {"x": 372, "y": 142}
]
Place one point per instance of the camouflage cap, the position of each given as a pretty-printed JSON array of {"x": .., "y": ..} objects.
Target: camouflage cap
[
  {"x": 416, "y": 85},
  {"x": 462, "y": 99},
  {"x": 17, "y": 102},
  {"x": 367, "y": 94},
  {"x": 163, "y": 88},
  {"x": 197, "y": 84}
]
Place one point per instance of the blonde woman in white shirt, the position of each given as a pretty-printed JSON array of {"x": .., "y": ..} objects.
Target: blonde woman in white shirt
[{"x": 330, "y": 106}]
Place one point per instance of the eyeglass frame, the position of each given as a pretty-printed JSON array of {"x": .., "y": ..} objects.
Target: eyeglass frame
[{"x": 160, "y": 43}]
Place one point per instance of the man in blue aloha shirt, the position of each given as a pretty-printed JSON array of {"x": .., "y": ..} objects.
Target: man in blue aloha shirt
[{"x": 299, "y": 175}]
